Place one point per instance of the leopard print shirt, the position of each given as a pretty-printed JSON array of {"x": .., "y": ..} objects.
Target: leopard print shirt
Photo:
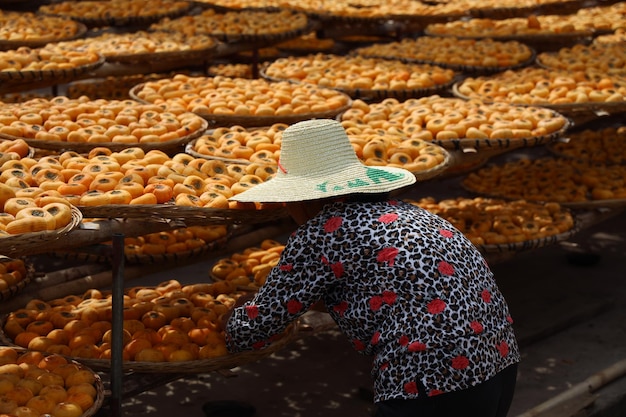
[{"x": 402, "y": 284}]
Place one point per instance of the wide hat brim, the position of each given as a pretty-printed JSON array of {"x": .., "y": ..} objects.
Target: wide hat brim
[
  {"x": 317, "y": 161},
  {"x": 355, "y": 180}
]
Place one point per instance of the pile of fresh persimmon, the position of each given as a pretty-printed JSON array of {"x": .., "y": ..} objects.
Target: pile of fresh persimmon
[
  {"x": 166, "y": 323},
  {"x": 12, "y": 272},
  {"x": 33, "y": 384}
]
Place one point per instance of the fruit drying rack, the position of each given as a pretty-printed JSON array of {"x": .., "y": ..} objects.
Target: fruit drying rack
[{"x": 119, "y": 223}]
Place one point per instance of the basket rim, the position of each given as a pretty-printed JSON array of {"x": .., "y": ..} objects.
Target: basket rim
[
  {"x": 13, "y": 290},
  {"x": 125, "y": 20},
  {"x": 147, "y": 259},
  {"x": 189, "y": 215},
  {"x": 368, "y": 94},
  {"x": 467, "y": 69},
  {"x": 81, "y": 30},
  {"x": 532, "y": 243},
  {"x": 505, "y": 143},
  {"x": 85, "y": 147},
  {"x": 586, "y": 204},
  {"x": 17, "y": 243},
  {"x": 258, "y": 121},
  {"x": 99, "y": 384},
  {"x": 157, "y": 57},
  {"x": 228, "y": 361},
  {"x": 18, "y": 77},
  {"x": 565, "y": 107}
]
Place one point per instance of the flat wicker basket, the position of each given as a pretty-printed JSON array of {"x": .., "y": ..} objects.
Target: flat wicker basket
[
  {"x": 23, "y": 244},
  {"x": 189, "y": 215},
  {"x": 13, "y": 290},
  {"x": 81, "y": 29},
  {"x": 502, "y": 143},
  {"x": 217, "y": 363},
  {"x": 10, "y": 78},
  {"x": 98, "y": 384},
  {"x": 176, "y": 145},
  {"x": 100, "y": 253},
  {"x": 531, "y": 244},
  {"x": 255, "y": 121}
]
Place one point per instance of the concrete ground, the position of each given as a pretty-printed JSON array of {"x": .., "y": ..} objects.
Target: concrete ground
[{"x": 569, "y": 319}]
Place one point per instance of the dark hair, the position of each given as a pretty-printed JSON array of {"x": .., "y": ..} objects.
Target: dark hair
[{"x": 367, "y": 197}]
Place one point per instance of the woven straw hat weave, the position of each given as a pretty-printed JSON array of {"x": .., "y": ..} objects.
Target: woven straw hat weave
[{"x": 317, "y": 161}]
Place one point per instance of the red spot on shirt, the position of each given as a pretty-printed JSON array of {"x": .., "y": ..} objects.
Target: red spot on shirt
[
  {"x": 387, "y": 255},
  {"x": 375, "y": 338},
  {"x": 410, "y": 387},
  {"x": 332, "y": 224},
  {"x": 337, "y": 268},
  {"x": 341, "y": 308},
  {"x": 509, "y": 319},
  {"x": 445, "y": 233},
  {"x": 436, "y": 306},
  {"x": 294, "y": 306},
  {"x": 476, "y": 327},
  {"x": 434, "y": 392},
  {"x": 460, "y": 362},
  {"x": 252, "y": 311},
  {"x": 486, "y": 296},
  {"x": 417, "y": 347},
  {"x": 388, "y": 218},
  {"x": 258, "y": 345},
  {"x": 376, "y": 302},
  {"x": 445, "y": 268},
  {"x": 286, "y": 268},
  {"x": 404, "y": 340},
  {"x": 358, "y": 345},
  {"x": 389, "y": 297},
  {"x": 384, "y": 366},
  {"x": 503, "y": 348}
]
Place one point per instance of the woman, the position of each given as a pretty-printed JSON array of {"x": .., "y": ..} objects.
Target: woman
[{"x": 402, "y": 284}]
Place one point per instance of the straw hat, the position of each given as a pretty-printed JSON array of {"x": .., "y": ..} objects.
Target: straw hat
[{"x": 317, "y": 161}]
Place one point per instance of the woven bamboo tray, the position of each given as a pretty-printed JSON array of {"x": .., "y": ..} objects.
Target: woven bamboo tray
[
  {"x": 501, "y": 143},
  {"x": 379, "y": 94},
  {"x": 14, "y": 289},
  {"x": 21, "y": 244},
  {"x": 420, "y": 175},
  {"x": 100, "y": 253},
  {"x": 574, "y": 205},
  {"x": 99, "y": 385},
  {"x": 189, "y": 215},
  {"x": 499, "y": 13},
  {"x": 539, "y": 42},
  {"x": 436, "y": 170},
  {"x": 567, "y": 109},
  {"x": 229, "y": 361},
  {"x": 28, "y": 76},
  {"x": 474, "y": 69},
  {"x": 187, "y": 57},
  {"x": 81, "y": 29},
  {"x": 263, "y": 39},
  {"x": 118, "y": 21},
  {"x": 376, "y": 22},
  {"x": 176, "y": 145},
  {"x": 255, "y": 121},
  {"x": 531, "y": 244}
]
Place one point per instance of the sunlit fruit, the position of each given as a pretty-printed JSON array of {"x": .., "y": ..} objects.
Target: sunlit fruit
[
  {"x": 66, "y": 409},
  {"x": 150, "y": 355},
  {"x": 79, "y": 377}
]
